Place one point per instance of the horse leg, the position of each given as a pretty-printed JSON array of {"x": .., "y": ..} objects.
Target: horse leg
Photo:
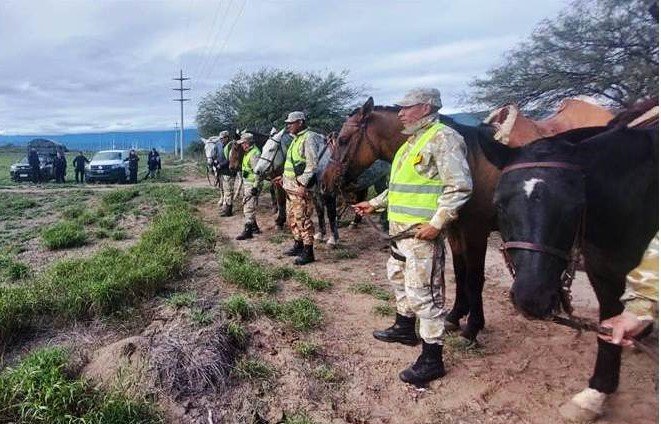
[
  {"x": 321, "y": 217},
  {"x": 460, "y": 307},
  {"x": 476, "y": 249},
  {"x": 274, "y": 198},
  {"x": 330, "y": 201},
  {"x": 281, "y": 199},
  {"x": 608, "y": 284}
]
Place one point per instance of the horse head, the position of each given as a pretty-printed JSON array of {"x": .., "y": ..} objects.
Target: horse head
[
  {"x": 272, "y": 159},
  {"x": 236, "y": 156},
  {"x": 540, "y": 201},
  {"x": 210, "y": 149}
]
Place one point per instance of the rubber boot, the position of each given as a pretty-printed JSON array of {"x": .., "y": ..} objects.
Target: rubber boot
[
  {"x": 402, "y": 331},
  {"x": 296, "y": 250},
  {"x": 246, "y": 234},
  {"x": 428, "y": 367},
  {"x": 306, "y": 256},
  {"x": 255, "y": 228}
]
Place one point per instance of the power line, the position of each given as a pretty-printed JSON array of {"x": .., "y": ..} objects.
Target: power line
[
  {"x": 207, "y": 44},
  {"x": 229, "y": 35},
  {"x": 181, "y": 101},
  {"x": 216, "y": 38}
]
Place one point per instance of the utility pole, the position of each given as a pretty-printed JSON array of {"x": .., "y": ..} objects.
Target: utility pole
[
  {"x": 176, "y": 141},
  {"x": 181, "y": 101}
]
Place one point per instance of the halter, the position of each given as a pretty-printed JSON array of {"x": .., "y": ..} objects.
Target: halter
[
  {"x": 571, "y": 256},
  {"x": 271, "y": 161},
  {"x": 353, "y": 147}
]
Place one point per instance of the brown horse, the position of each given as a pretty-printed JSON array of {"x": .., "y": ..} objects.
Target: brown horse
[{"x": 374, "y": 132}]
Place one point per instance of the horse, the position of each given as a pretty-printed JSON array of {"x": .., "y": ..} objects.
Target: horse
[
  {"x": 210, "y": 152},
  {"x": 271, "y": 164},
  {"x": 374, "y": 132},
  {"x": 593, "y": 190}
]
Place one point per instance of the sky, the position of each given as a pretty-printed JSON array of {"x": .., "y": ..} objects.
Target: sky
[{"x": 70, "y": 66}]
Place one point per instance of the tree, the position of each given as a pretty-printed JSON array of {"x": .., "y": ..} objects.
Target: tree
[
  {"x": 603, "y": 48},
  {"x": 262, "y": 100}
]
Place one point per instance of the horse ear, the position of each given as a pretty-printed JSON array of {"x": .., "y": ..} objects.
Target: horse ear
[
  {"x": 496, "y": 153},
  {"x": 367, "y": 108}
]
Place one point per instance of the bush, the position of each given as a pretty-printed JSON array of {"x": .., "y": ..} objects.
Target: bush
[
  {"x": 39, "y": 390},
  {"x": 63, "y": 235}
]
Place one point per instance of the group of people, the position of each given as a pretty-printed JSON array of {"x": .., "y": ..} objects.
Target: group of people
[
  {"x": 59, "y": 166},
  {"x": 430, "y": 180}
]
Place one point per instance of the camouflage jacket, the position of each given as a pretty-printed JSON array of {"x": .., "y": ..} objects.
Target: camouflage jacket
[
  {"x": 444, "y": 158},
  {"x": 641, "y": 296}
]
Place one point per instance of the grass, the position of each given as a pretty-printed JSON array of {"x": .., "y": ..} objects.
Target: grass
[
  {"x": 201, "y": 317},
  {"x": 372, "y": 290},
  {"x": 119, "y": 235},
  {"x": 344, "y": 253},
  {"x": 87, "y": 217},
  {"x": 238, "y": 268},
  {"x": 298, "y": 417},
  {"x": 108, "y": 280},
  {"x": 108, "y": 222},
  {"x": 120, "y": 196},
  {"x": 39, "y": 389},
  {"x": 301, "y": 314},
  {"x": 101, "y": 233},
  {"x": 306, "y": 350},
  {"x": 63, "y": 235},
  {"x": 325, "y": 373},
  {"x": 383, "y": 310},
  {"x": 253, "y": 369},
  {"x": 278, "y": 238},
  {"x": 461, "y": 347},
  {"x": 199, "y": 195},
  {"x": 179, "y": 300},
  {"x": 237, "y": 306},
  {"x": 311, "y": 282},
  {"x": 238, "y": 333},
  {"x": 11, "y": 269},
  {"x": 73, "y": 212},
  {"x": 16, "y": 206}
]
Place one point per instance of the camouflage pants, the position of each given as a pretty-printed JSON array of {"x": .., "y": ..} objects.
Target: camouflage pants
[
  {"x": 299, "y": 217},
  {"x": 226, "y": 189},
  {"x": 411, "y": 281},
  {"x": 249, "y": 202}
]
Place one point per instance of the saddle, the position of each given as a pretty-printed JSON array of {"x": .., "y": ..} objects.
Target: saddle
[
  {"x": 647, "y": 119},
  {"x": 514, "y": 129}
]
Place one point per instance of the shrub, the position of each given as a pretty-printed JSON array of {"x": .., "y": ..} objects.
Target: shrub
[{"x": 63, "y": 235}]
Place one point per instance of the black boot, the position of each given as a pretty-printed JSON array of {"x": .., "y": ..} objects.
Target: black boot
[
  {"x": 403, "y": 331},
  {"x": 246, "y": 234},
  {"x": 225, "y": 210},
  {"x": 229, "y": 210},
  {"x": 296, "y": 250},
  {"x": 255, "y": 228},
  {"x": 428, "y": 367},
  {"x": 306, "y": 256}
]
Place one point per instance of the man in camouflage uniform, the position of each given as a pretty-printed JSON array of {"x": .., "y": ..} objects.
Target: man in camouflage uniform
[
  {"x": 298, "y": 178},
  {"x": 226, "y": 175},
  {"x": 250, "y": 190},
  {"x": 429, "y": 182}
]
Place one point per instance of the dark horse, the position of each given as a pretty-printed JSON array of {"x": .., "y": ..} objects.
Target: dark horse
[
  {"x": 374, "y": 132},
  {"x": 599, "y": 192}
]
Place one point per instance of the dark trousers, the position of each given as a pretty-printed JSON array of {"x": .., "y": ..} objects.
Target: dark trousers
[
  {"x": 81, "y": 173},
  {"x": 133, "y": 176},
  {"x": 36, "y": 174},
  {"x": 59, "y": 176}
]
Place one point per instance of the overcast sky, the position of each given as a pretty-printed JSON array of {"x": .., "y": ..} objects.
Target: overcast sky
[{"x": 96, "y": 66}]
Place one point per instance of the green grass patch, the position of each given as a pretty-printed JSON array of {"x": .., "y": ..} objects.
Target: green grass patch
[
  {"x": 101, "y": 233},
  {"x": 326, "y": 373},
  {"x": 199, "y": 195},
  {"x": 201, "y": 317},
  {"x": 63, "y": 235},
  {"x": 311, "y": 282},
  {"x": 238, "y": 333},
  {"x": 179, "y": 300},
  {"x": 237, "y": 306},
  {"x": 298, "y": 417},
  {"x": 72, "y": 212},
  {"x": 40, "y": 390},
  {"x": 16, "y": 206},
  {"x": 87, "y": 217},
  {"x": 278, "y": 238},
  {"x": 383, "y": 310},
  {"x": 11, "y": 269},
  {"x": 372, "y": 290},
  {"x": 301, "y": 314},
  {"x": 108, "y": 280},
  {"x": 344, "y": 253},
  {"x": 108, "y": 222},
  {"x": 253, "y": 369},
  {"x": 119, "y": 235},
  {"x": 238, "y": 268},
  {"x": 306, "y": 350},
  {"x": 119, "y": 196}
]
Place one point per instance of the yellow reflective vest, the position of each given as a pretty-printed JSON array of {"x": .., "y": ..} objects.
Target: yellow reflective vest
[
  {"x": 246, "y": 166},
  {"x": 413, "y": 198},
  {"x": 295, "y": 161}
]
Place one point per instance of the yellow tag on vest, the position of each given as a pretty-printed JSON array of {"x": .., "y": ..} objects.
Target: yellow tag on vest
[{"x": 417, "y": 159}]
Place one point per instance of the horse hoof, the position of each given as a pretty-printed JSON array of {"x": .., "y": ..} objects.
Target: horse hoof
[
  {"x": 451, "y": 326},
  {"x": 332, "y": 242},
  {"x": 353, "y": 225},
  {"x": 572, "y": 412},
  {"x": 319, "y": 236}
]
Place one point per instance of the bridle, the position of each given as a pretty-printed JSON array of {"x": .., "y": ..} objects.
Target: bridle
[
  {"x": 572, "y": 256},
  {"x": 279, "y": 149},
  {"x": 340, "y": 165}
]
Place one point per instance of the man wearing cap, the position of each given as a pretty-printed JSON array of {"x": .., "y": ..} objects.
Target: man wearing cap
[
  {"x": 226, "y": 175},
  {"x": 298, "y": 179},
  {"x": 250, "y": 190},
  {"x": 429, "y": 182}
]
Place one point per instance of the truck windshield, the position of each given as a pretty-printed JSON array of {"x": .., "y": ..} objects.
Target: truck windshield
[{"x": 107, "y": 156}]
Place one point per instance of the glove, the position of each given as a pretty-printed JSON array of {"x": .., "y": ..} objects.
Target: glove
[{"x": 253, "y": 191}]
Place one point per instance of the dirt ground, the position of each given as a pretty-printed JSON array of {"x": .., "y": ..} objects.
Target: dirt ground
[{"x": 521, "y": 373}]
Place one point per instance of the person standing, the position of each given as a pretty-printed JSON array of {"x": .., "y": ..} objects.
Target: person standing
[
  {"x": 35, "y": 165},
  {"x": 153, "y": 160},
  {"x": 250, "y": 186},
  {"x": 59, "y": 166},
  {"x": 227, "y": 177},
  {"x": 79, "y": 167},
  {"x": 297, "y": 181},
  {"x": 133, "y": 160},
  {"x": 429, "y": 182}
]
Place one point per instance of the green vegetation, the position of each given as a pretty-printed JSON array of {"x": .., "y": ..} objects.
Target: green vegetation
[
  {"x": 8, "y": 157},
  {"x": 306, "y": 350},
  {"x": 119, "y": 196},
  {"x": 325, "y": 373},
  {"x": 253, "y": 369},
  {"x": 108, "y": 222},
  {"x": 383, "y": 310},
  {"x": 101, "y": 233},
  {"x": 64, "y": 234},
  {"x": 86, "y": 218},
  {"x": 238, "y": 333},
  {"x": 11, "y": 269},
  {"x": 15, "y": 206},
  {"x": 179, "y": 300},
  {"x": 301, "y": 313},
  {"x": 201, "y": 317},
  {"x": 39, "y": 389},
  {"x": 74, "y": 211},
  {"x": 109, "y": 279},
  {"x": 372, "y": 290},
  {"x": 119, "y": 235},
  {"x": 238, "y": 268},
  {"x": 344, "y": 253},
  {"x": 237, "y": 306},
  {"x": 298, "y": 418},
  {"x": 278, "y": 238},
  {"x": 311, "y": 282}
]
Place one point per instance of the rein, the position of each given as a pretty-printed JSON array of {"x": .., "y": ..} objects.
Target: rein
[{"x": 353, "y": 147}]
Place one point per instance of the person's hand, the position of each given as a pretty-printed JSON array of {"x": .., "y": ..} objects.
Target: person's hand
[
  {"x": 363, "y": 208},
  {"x": 427, "y": 232},
  {"x": 624, "y": 327},
  {"x": 277, "y": 180},
  {"x": 300, "y": 190}
]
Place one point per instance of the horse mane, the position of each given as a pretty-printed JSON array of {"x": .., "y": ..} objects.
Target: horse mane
[
  {"x": 629, "y": 114},
  {"x": 385, "y": 108}
]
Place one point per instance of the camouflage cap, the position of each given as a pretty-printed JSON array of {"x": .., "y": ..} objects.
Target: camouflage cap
[
  {"x": 295, "y": 116},
  {"x": 421, "y": 96},
  {"x": 246, "y": 137},
  {"x": 224, "y": 134}
]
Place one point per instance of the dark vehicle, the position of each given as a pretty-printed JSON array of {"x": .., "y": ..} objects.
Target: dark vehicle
[
  {"x": 108, "y": 166},
  {"x": 47, "y": 151}
]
